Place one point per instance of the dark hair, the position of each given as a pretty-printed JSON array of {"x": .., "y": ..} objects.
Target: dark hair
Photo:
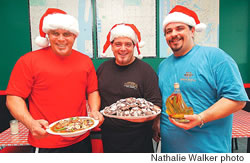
[{"x": 190, "y": 27}]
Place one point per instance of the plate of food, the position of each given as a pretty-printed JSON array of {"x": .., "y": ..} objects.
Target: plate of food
[
  {"x": 132, "y": 109},
  {"x": 73, "y": 126}
]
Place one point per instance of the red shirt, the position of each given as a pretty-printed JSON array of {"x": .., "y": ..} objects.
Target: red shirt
[{"x": 56, "y": 87}]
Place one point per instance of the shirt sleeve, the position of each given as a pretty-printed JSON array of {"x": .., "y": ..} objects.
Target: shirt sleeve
[
  {"x": 229, "y": 82},
  {"x": 152, "y": 90},
  {"x": 21, "y": 79}
]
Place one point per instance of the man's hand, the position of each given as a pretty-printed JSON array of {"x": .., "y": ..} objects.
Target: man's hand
[
  {"x": 156, "y": 129},
  {"x": 38, "y": 128},
  {"x": 98, "y": 116},
  {"x": 194, "y": 120}
]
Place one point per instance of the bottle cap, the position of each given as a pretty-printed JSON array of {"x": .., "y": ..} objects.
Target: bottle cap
[{"x": 176, "y": 85}]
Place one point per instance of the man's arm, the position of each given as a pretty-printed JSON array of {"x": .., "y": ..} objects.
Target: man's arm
[
  {"x": 156, "y": 127},
  {"x": 19, "y": 110},
  {"x": 94, "y": 101},
  {"x": 221, "y": 109}
]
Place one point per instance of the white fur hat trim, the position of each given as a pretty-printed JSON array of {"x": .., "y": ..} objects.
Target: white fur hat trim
[
  {"x": 63, "y": 21},
  {"x": 123, "y": 31},
  {"x": 178, "y": 17}
]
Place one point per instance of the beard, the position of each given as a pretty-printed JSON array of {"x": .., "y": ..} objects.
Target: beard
[
  {"x": 175, "y": 43},
  {"x": 176, "y": 49}
]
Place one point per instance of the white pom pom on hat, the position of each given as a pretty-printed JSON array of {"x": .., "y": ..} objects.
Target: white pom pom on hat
[
  {"x": 124, "y": 30},
  {"x": 53, "y": 19},
  {"x": 42, "y": 41},
  {"x": 200, "y": 27},
  {"x": 141, "y": 44},
  {"x": 184, "y": 15}
]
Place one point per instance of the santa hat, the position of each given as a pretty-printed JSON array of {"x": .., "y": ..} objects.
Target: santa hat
[
  {"x": 124, "y": 30},
  {"x": 184, "y": 15},
  {"x": 54, "y": 19}
]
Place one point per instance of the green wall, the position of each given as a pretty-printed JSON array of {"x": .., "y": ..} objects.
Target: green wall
[
  {"x": 235, "y": 33},
  {"x": 15, "y": 32},
  {"x": 15, "y": 35}
]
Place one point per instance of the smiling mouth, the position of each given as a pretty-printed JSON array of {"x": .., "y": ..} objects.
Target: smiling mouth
[
  {"x": 61, "y": 46},
  {"x": 176, "y": 40},
  {"x": 123, "y": 55}
]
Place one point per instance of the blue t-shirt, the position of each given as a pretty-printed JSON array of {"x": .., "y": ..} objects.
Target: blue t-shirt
[{"x": 205, "y": 75}]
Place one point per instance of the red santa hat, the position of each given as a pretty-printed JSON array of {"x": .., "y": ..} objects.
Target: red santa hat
[
  {"x": 184, "y": 15},
  {"x": 54, "y": 19},
  {"x": 124, "y": 30}
]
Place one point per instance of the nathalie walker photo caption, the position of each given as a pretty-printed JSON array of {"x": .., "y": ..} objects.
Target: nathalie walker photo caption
[{"x": 199, "y": 157}]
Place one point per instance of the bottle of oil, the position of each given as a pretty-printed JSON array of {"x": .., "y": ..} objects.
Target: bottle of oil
[{"x": 176, "y": 107}]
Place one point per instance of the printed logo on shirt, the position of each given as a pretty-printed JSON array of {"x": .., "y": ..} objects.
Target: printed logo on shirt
[
  {"x": 189, "y": 77},
  {"x": 132, "y": 85}
]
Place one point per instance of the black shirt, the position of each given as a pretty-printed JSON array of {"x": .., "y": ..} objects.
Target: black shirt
[{"x": 116, "y": 82}]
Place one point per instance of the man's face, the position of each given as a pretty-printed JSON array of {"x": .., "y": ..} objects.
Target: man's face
[
  {"x": 179, "y": 37},
  {"x": 61, "y": 41},
  {"x": 123, "y": 49}
]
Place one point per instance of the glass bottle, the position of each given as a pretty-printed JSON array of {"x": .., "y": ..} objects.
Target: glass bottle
[{"x": 176, "y": 106}]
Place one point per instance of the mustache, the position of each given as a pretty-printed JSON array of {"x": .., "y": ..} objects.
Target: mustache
[{"x": 175, "y": 38}]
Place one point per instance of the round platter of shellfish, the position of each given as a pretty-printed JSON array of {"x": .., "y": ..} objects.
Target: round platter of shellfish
[{"x": 132, "y": 109}]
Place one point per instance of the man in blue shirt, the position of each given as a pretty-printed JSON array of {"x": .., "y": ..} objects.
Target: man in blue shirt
[{"x": 210, "y": 83}]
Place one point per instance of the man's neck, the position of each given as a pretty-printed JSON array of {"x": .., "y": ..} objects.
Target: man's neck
[{"x": 182, "y": 53}]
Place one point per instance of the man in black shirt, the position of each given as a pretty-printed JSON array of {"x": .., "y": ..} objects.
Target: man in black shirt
[{"x": 122, "y": 77}]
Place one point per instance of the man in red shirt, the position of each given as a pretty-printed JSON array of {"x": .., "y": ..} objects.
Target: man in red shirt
[{"x": 56, "y": 80}]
